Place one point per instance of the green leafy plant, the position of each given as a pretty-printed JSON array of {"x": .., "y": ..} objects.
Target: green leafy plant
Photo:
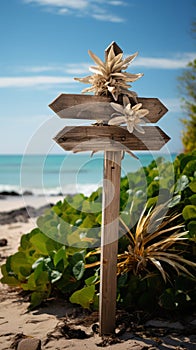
[{"x": 59, "y": 255}]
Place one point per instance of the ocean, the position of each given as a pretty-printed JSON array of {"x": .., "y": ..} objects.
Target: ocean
[{"x": 62, "y": 174}]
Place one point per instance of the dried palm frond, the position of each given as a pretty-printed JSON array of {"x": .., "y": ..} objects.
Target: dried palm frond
[{"x": 155, "y": 243}]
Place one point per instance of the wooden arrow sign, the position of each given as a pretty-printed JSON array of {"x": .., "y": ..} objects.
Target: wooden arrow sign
[
  {"x": 111, "y": 138},
  {"x": 95, "y": 107}
]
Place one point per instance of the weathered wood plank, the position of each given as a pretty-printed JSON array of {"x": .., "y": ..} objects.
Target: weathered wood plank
[
  {"x": 97, "y": 138},
  {"x": 109, "y": 241},
  {"x": 64, "y": 101},
  {"x": 92, "y": 107}
]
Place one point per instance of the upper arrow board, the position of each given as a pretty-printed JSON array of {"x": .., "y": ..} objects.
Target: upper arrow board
[{"x": 92, "y": 107}]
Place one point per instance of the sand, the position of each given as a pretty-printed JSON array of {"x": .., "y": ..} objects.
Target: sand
[
  {"x": 15, "y": 202},
  {"x": 45, "y": 322}
]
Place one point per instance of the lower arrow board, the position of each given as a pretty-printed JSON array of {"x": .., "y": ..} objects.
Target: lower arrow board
[{"x": 111, "y": 138}]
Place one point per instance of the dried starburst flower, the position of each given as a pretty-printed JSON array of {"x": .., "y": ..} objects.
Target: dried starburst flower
[
  {"x": 130, "y": 115},
  {"x": 108, "y": 77}
]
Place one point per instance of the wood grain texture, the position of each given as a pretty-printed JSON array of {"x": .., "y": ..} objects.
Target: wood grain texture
[
  {"x": 97, "y": 138},
  {"x": 92, "y": 107},
  {"x": 109, "y": 241}
]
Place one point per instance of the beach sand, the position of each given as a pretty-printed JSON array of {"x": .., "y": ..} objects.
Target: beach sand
[
  {"x": 15, "y": 202},
  {"x": 45, "y": 322}
]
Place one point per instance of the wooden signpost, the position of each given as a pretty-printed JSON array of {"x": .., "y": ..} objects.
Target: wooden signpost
[{"x": 112, "y": 140}]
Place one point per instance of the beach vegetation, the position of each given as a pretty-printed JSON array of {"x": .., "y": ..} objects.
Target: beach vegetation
[
  {"x": 187, "y": 91},
  {"x": 155, "y": 268}
]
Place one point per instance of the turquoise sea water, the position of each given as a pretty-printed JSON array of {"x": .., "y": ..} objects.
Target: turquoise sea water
[{"x": 66, "y": 173}]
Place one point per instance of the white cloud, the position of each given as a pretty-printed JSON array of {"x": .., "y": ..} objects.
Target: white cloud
[
  {"x": 8, "y": 82},
  {"x": 98, "y": 9},
  {"x": 68, "y": 68},
  {"x": 39, "y": 69},
  {"x": 63, "y": 11},
  {"x": 117, "y": 3},
  {"x": 71, "y": 70},
  {"x": 177, "y": 62},
  {"x": 77, "y": 68},
  {"x": 73, "y": 4},
  {"x": 107, "y": 17}
]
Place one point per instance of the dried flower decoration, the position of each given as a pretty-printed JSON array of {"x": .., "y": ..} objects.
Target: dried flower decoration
[
  {"x": 130, "y": 115},
  {"x": 108, "y": 77}
]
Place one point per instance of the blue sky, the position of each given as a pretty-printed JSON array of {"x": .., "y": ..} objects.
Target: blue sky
[{"x": 44, "y": 45}]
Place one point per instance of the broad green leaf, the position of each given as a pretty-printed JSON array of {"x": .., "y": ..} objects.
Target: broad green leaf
[
  {"x": 57, "y": 208},
  {"x": 52, "y": 244},
  {"x": 91, "y": 280},
  {"x": 99, "y": 219},
  {"x": 25, "y": 243},
  {"x": 151, "y": 202},
  {"x": 73, "y": 239},
  {"x": 77, "y": 201},
  {"x": 78, "y": 270},
  {"x": 39, "y": 267},
  {"x": 96, "y": 196},
  {"x": 84, "y": 296},
  {"x": 8, "y": 279},
  {"x": 189, "y": 212},
  {"x": 153, "y": 189},
  {"x": 190, "y": 168},
  {"x": 36, "y": 299},
  {"x": 42, "y": 282},
  {"x": 185, "y": 160},
  {"x": 89, "y": 221},
  {"x": 18, "y": 262},
  {"x": 68, "y": 283},
  {"x": 95, "y": 304},
  {"x": 61, "y": 255},
  {"x": 91, "y": 207},
  {"x": 39, "y": 241},
  {"x": 192, "y": 228},
  {"x": 78, "y": 256},
  {"x": 30, "y": 283},
  {"x": 192, "y": 186},
  {"x": 193, "y": 199},
  {"x": 24, "y": 271}
]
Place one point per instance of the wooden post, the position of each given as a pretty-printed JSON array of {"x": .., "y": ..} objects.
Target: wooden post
[{"x": 109, "y": 241}]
